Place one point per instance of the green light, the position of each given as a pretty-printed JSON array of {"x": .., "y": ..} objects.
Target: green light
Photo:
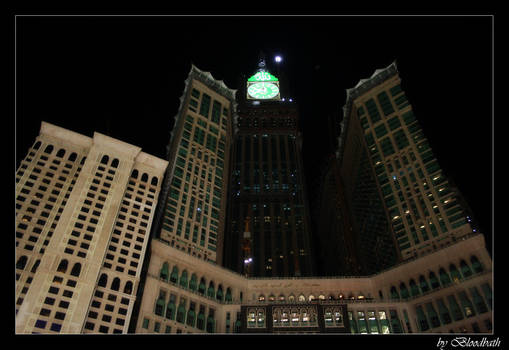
[
  {"x": 263, "y": 76},
  {"x": 263, "y": 90}
]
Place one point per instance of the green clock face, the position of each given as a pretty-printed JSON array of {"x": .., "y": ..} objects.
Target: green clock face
[{"x": 263, "y": 90}]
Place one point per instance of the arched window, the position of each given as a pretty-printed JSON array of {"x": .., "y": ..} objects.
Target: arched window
[
  {"x": 114, "y": 163},
  {"x": 228, "y": 296},
  {"x": 105, "y": 159},
  {"x": 455, "y": 275},
  {"x": 103, "y": 280},
  {"x": 115, "y": 285},
  {"x": 62, "y": 267},
  {"x": 48, "y": 149},
  {"x": 433, "y": 280},
  {"x": 210, "y": 291},
  {"x": 61, "y": 153},
  {"x": 291, "y": 298},
  {"x": 414, "y": 289},
  {"x": 261, "y": 298},
  {"x": 219, "y": 294},
  {"x": 144, "y": 177},
  {"x": 72, "y": 157},
  {"x": 444, "y": 277},
  {"x": 134, "y": 174},
  {"x": 201, "y": 286},
  {"x": 154, "y": 181},
  {"x": 302, "y": 298},
  {"x": 170, "y": 308},
  {"x": 174, "y": 274},
  {"x": 311, "y": 297},
  {"x": 160, "y": 304},
  {"x": 394, "y": 293},
  {"x": 37, "y": 145},
  {"x": 35, "y": 266},
  {"x": 76, "y": 269},
  {"x": 281, "y": 298},
  {"x": 465, "y": 269},
  {"x": 423, "y": 284},
  {"x": 183, "y": 279},
  {"x": 404, "y": 290},
  {"x": 164, "y": 274},
  {"x": 193, "y": 283},
  {"x": 181, "y": 313},
  {"x": 128, "y": 288},
  {"x": 476, "y": 264},
  {"x": 22, "y": 261}
]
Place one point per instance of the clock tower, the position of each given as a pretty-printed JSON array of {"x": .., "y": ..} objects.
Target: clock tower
[
  {"x": 267, "y": 184},
  {"x": 263, "y": 85}
]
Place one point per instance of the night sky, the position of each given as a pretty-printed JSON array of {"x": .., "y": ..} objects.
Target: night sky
[{"x": 123, "y": 76}]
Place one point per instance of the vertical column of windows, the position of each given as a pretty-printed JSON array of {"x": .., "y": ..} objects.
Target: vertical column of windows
[
  {"x": 110, "y": 303},
  {"x": 107, "y": 313},
  {"x": 85, "y": 224},
  {"x": 58, "y": 297},
  {"x": 40, "y": 200}
]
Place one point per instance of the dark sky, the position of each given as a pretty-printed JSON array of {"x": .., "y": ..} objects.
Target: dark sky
[{"x": 123, "y": 76}]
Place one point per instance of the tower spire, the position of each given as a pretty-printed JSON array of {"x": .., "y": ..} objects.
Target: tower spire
[{"x": 261, "y": 61}]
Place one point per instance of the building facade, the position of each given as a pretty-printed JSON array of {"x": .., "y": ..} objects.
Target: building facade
[
  {"x": 191, "y": 215},
  {"x": 268, "y": 231},
  {"x": 449, "y": 290},
  {"x": 335, "y": 238},
  {"x": 380, "y": 129},
  {"x": 84, "y": 208}
]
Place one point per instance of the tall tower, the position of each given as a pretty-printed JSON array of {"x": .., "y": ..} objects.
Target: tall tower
[
  {"x": 381, "y": 139},
  {"x": 84, "y": 209},
  {"x": 267, "y": 183},
  {"x": 191, "y": 212}
]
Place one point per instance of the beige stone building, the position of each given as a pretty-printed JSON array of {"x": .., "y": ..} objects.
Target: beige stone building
[
  {"x": 448, "y": 290},
  {"x": 84, "y": 208}
]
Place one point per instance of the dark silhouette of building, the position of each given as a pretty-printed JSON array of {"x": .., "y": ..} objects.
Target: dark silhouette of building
[{"x": 267, "y": 184}]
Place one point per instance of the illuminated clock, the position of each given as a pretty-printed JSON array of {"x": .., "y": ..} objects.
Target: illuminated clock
[{"x": 263, "y": 90}]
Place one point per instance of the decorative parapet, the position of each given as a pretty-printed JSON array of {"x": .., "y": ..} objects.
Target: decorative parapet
[{"x": 364, "y": 85}]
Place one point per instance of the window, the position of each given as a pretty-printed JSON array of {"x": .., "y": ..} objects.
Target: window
[
  {"x": 62, "y": 267},
  {"x": 115, "y": 285},
  {"x": 385, "y": 103},
  {"x": 76, "y": 269},
  {"x": 205, "y": 105}
]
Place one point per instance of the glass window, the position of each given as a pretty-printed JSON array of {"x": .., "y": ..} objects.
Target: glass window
[{"x": 205, "y": 105}]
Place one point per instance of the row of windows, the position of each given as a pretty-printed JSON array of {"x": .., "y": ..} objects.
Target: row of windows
[
  {"x": 190, "y": 314},
  {"x": 374, "y": 322},
  {"x": 183, "y": 280},
  {"x": 60, "y": 154},
  {"x": 264, "y": 123},
  {"x": 108, "y": 311},
  {"x": 444, "y": 279},
  {"x": 449, "y": 310},
  {"x": 58, "y": 297},
  {"x": 129, "y": 232},
  {"x": 38, "y": 218}
]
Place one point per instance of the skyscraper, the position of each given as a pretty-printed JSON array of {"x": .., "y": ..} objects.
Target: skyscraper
[
  {"x": 95, "y": 223},
  {"x": 269, "y": 231},
  {"x": 381, "y": 139},
  {"x": 191, "y": 214},
  {"x": 84, "y": 208}
]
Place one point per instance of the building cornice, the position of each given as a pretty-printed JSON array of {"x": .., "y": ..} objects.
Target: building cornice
[{"x": 363, "y": 86}]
